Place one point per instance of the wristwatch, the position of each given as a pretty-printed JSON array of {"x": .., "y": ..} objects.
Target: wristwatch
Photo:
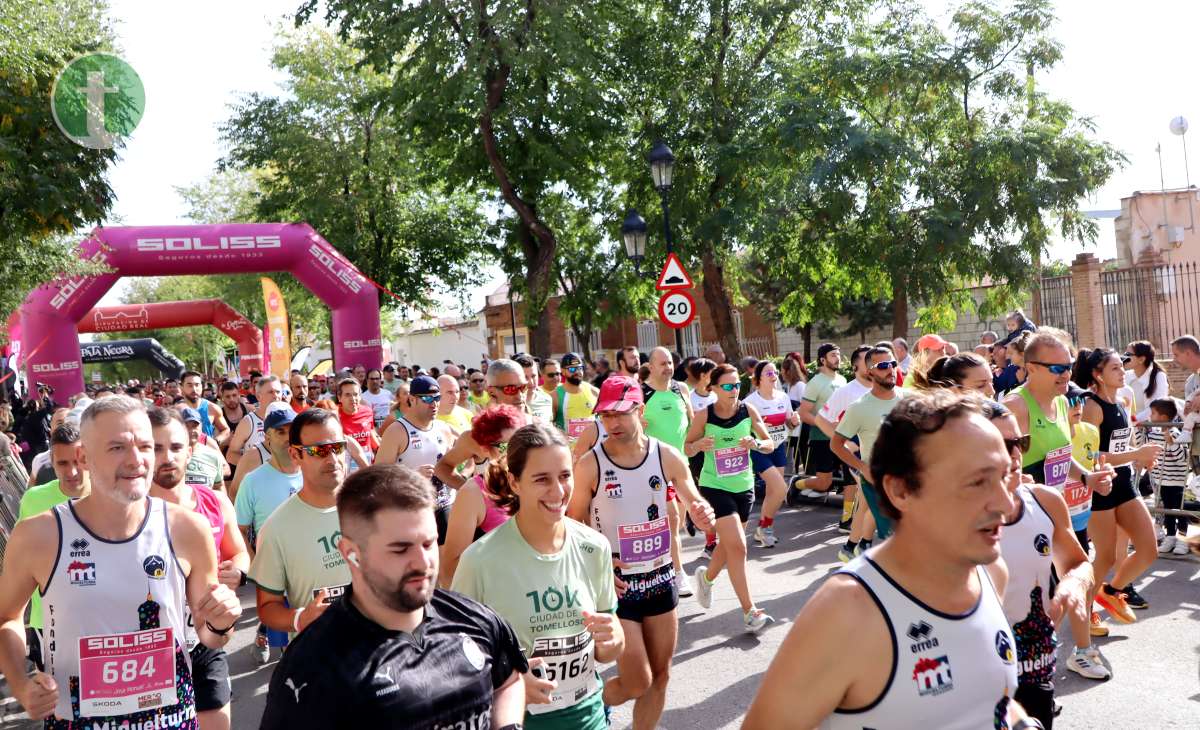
[{"x": 1028, "y": 723}]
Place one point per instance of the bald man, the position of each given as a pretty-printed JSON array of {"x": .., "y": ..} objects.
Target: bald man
[{"x": 449, "y": 411}]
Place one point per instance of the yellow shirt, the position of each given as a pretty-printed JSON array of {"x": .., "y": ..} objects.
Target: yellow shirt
[{"x": 458, "y": 419}]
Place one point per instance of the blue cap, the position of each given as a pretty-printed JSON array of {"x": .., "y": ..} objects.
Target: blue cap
[
  {"x": 278, "y": 418},
  {"x": 191, "y": 414},
  {"x": 423, "y": 385}
]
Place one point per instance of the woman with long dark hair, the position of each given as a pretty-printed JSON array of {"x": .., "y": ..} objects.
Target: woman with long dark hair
[{"x": 1144, "y": 377}]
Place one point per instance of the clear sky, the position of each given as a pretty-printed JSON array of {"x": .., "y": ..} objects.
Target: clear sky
[{"x": 1125, "y": 65}]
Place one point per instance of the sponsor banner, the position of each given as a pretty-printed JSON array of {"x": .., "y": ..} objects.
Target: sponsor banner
[{"x": 280, "y": 346}]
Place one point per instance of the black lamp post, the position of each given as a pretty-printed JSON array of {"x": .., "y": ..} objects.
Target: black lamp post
[
  {"x": 662, "y": 169},
  {"x": 633, "y": 233}
]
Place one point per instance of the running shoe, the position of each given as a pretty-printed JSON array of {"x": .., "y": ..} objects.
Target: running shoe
[
  {"x": 793, "y": 497},
  {"x": 709, "y": 548},
  {"x": 703, "y": 587},
  {"x": 812, "y": 493},
  {"x": 1167, "y": 546},
  {"x": 1098, "y": 627},
  {"x": 845, "y": 555},
  {"x": 262, "y": 650},
  {"x": 756, "y": 620},
  {"x": 1088, "y": 664},
  {"x": 765, "y": 536},
  {"x": 1115, "y": 605},
  {"x": 1181, "y": 547},
  {"x": 1133, "y": 599},
  {"x": 689, "y": 525},
  {"x": 844, "y": 527},
  {"x": 859, "y": 549},
  {"x": 683, "y": 585}
]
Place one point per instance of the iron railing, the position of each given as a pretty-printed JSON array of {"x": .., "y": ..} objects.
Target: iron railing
[
  {"x": 1058, "y": 304},
  {"x": 1155, "y": 303}
]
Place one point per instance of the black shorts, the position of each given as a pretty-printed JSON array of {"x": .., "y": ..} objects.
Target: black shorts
[
  {"x": 820, "y": 457},
  {"x": 1082, "y": 537},
  {"x": 441, "y": 515},
  {"x": 210, "y": 676},
  {"x": 1038, "y": 702},
  {"x": 649, "y": 594},
  {"x": 1122, "y": 491},
  {"x": 728, "y": 503}
]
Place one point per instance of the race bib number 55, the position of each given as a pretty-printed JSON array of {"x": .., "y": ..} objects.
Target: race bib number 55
[{"x": 124, "y": 673}]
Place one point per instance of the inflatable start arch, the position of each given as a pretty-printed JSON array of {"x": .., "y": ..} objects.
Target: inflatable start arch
[
  {"x": 51, "y": 312},
  {"x": 166, "y": 315}
]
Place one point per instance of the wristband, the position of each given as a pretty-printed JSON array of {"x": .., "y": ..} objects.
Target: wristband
[
  {"x": 243, "y": 579},
  {"x": 220, "y": 632},
  {"x": 1029, "y": 723},
  {"x": 512, "y": 726},
  {"x": 296, "y": 620}
]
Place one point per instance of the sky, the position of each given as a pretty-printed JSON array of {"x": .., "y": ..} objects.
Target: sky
[{"x": 1125, "y": 66}]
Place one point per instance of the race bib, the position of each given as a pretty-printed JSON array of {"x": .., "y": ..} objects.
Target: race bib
[
  {"x": 1057, "y": 466},
  {"x": 1118, "y": 443},
  {"x": 576, "y": 427},
  {"x": 334, "y": 592},
  {"x": 778, "y": 433},
  {"x": 1078, "y": 497},
  {"x": 641, "y": 545},
  {"x": 120, "y": 674},
  {"x": 570, "y": 662},
  {"x": 730, "y": 461}
]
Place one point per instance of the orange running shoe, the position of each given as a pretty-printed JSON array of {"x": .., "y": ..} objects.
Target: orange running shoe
[
  {"x": 1115, "y": 605},
  {"x": 1098, "y": 627}
]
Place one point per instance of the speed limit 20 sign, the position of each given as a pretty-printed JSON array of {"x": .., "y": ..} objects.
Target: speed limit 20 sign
[{"x": 676, "y": 309}]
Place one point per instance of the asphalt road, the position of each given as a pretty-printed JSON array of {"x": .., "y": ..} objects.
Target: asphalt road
[{"x": 718, "y": 668}]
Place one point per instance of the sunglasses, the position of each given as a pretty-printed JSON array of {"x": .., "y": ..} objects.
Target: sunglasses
[
  {"x": 574, "y": 368},
  {"x": 553, "y": 375},
  {"x": 479, "y": 380},
  {"x": 767, "y": 373},
  {"x": 430, "y": 399},
  {"x": 728, "y": 387},
  {"x": 1054, "y": 367},
  {"x": 885, "y": 365},
  {"x": 511, "y": 389},
  {"x": 1075, "y": 400},
  {"x": 1127, "y": 357},
  {"x": 320, "y": 451},
  {"x": 1020, "y": 442}
]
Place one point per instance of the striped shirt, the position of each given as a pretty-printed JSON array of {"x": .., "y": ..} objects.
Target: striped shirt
[{"x": 1172, "y": 468}]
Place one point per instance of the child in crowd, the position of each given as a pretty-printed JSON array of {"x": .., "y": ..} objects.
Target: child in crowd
[{"x": 1170, "y": 473}]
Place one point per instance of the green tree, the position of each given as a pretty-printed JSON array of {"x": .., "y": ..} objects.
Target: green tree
[
  {"x": 50, "y": 187},
  {"x": 332, "y": 155},
  {"x": 516, "y": 98}
]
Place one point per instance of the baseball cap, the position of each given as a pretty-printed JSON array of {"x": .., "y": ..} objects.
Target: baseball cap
[
  {"x": 570, "y": 358},
  {"x": 825, "y": 349},
  {"x": 191, "y": 414},
  {"x": 278, "y": 418},
  {"x": 423, "y": 385},
  {"x": 931, "y": 342},
  {"x": 277, "y": 407},
  {"x": 620, "y": 393}
]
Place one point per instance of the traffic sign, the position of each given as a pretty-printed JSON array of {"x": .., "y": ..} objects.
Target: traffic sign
[
  {"x": 676, "y": 309},
  {"x": 673, "y": 275}
]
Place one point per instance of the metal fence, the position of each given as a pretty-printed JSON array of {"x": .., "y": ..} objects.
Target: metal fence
[
  {"x": 1058, "y": 304},
  {"x": 1155, "y": 303}
]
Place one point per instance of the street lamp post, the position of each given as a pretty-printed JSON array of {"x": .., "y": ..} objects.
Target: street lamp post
[{"x": 662, "y": 169}]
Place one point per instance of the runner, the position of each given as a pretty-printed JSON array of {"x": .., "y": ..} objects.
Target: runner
[
  {"x": 551, "y": 377},
  {"x": 1037, "y": 535},
  {"x": 725, "y": 433},
  {"x": 357, "y": 421},
  {"x": 668, "y": 413},
  {"x": 574, "y": 400},
  {"x": 449, "y": 411},
  {"x": 629, "y": 361},
  {"x": 390, "y": 382},
  {"x": 135, "y": 566},
  {"x": 71, "y": 482},
  {"x": 965, "y": 371},
  {"x": 258, "y": 454},
  {"x": 635, "y": 471},
  {"x": 775, "y": 407},
  {"x": 249, "y": 430},
  {"x": 211, "y": 419},
  {"x": 858, "y": 523},
  {"x": 507, "y": 384},
  {"x": 476, "y": 511},
  {"x": 468, "y": 453},
  {"x": 540, "y": 404},
  {"x": 233, "y": 408},
  {"x": 699, "y": 380},
  {"x": 376, "y": 397},
  {"x": 206, "y": 466},
  {"x": 172, "y": 453},
  {"x": 528, "y": 568},
  {"x": 261, "y": 493},
  {"x": 300, "y": 402},
  {"x": 395, "y": 651},
  {"x": 297, "y": 567},
  {"x": 795, "y": 380},
  {"x": 478, "y": 397},
  {"x": 863, "y": 419},
  {"x": 907, "y": 609},
  {"x": 419, "y": 441},
  {"x": 820, "y": 462},
  {"x": 1100, "y": 370}
]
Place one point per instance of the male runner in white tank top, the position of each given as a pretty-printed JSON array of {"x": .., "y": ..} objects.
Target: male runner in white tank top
[
  {"x": 633, "y": 471},
  {"x": 919, "y": 614},
  {"x": 249, "y": 430},
  {"x": 116, "y": 569}
]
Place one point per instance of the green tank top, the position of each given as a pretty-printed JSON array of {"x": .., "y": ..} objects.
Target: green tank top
[
  {"x": 727, "y": 464},
  {"x": 1049, "y": 442},
  {"x": 666, "y": 414}
]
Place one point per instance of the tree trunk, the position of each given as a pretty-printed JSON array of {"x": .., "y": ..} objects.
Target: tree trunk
[
  {"x": 539, "y": 285},
  {"x": 807, "y": 331},
  {"x": 719, "y": 305},
  {"x": 899, "y": 307}
]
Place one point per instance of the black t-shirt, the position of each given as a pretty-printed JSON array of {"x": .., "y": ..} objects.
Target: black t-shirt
[{"x": 347, "y": 671}]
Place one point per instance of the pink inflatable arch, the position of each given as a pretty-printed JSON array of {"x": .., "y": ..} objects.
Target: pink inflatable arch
[
  {"x": 49, "y": 315},
  {"x": 165, "y": 315}
]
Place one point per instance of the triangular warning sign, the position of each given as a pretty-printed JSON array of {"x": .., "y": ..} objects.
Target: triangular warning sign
[{"x": 673, "y": 275}]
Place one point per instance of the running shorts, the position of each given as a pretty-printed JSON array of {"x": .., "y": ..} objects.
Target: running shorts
[
  {"x": 441, "y": 515},
  {"x": 210, "y": 675},
  {"x": 1122, "y": 491},
  {"x": 762, "y": 462},
  {"x": 727, "y": 503},
  {"x": 883, "y": 523},
  {"x": 649, "y": 594},
  {"x": 820, "y": 457}
]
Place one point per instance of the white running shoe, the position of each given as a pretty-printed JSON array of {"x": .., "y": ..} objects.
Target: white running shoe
[
  {"x": 703, "y": 587},
  {"x": 812, "y": 493},
  {"x": 845, "y": 555},
  {"x": 765, "y": 536},
  {"x": 755, "y": 620},
  {"x": 1181, "y": 547},
  {"x": 1167, "y": 545},
  {"x": 1088, "y": 664},
  {"x": 683, "y": 585}
]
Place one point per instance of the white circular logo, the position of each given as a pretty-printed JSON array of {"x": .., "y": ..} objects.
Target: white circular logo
[{"x": 473, "y": 653}]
